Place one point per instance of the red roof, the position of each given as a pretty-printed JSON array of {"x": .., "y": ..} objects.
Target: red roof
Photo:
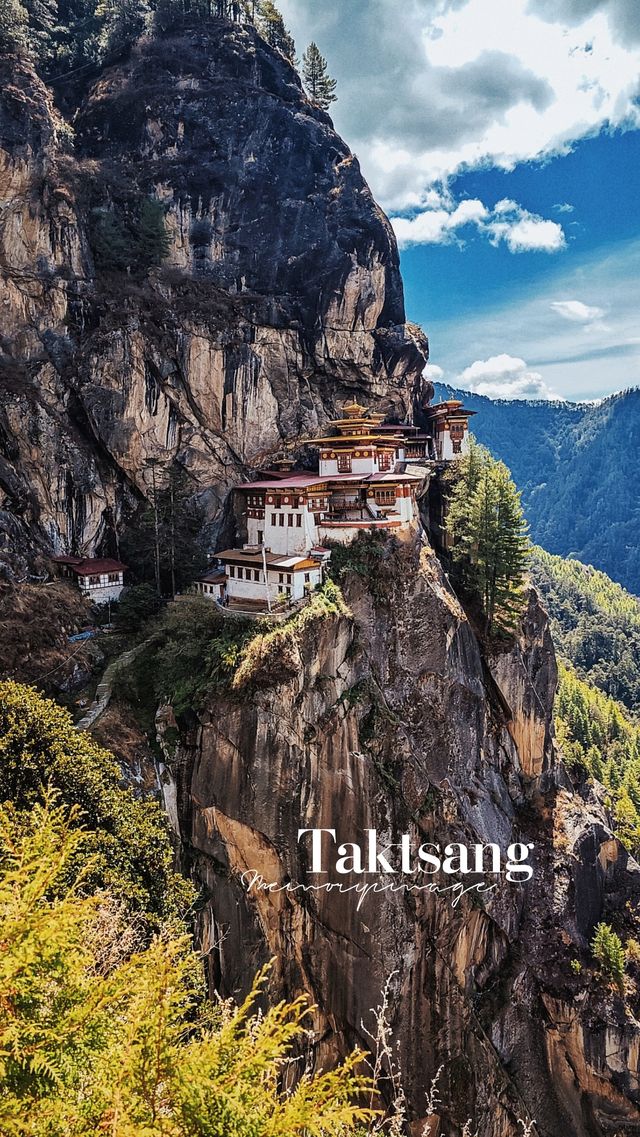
[{"x": 88, "y": 566}]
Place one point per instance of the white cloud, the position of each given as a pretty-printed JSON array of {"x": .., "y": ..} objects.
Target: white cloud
[
  {"x": 519, "y": 229},
  {"x": 438, "y": 226},
  {"x": 523, "y": 231},
  {"x": 576, "y": 311},
  {"x": 441, "y": 97},
  {"x": 433, "y": 372},
  {"x": 563, "y": 207},
  {"x": 504, "y": 377},
  {"x": 576, "y": 365}
]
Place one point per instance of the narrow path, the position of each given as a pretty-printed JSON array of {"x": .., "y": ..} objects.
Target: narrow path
[{"x": 104, "y": 690}]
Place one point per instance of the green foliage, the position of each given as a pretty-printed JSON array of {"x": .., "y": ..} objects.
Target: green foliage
[
  {"x": 273, "y": 653},
  {"x": 578, "y": 467},
  {"x": 371, "y": 556},
  {"x": 610, "y": 954},
  {"x": 318, "y": 84},
  {"x": 129, "y": 842},
  {"x": 131, "y": 243},
  {"x": 121, "y": 23},
  {"x": 95, "y": 1038},
  {"x": 488, "y": 537},
  {"x": 272, "y": 28},
  {"x": 136, "y": 606},
  {"x": 595, "y": 624},
  {"x": 595, "y": 731},
  {"x": 195, "y": 651},
  {"x": 14, "y": 26}
]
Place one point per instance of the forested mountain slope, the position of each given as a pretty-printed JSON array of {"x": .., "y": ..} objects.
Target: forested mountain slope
[
  {"x": 595, "y": 624},
  {"x": 578, "y": 466}
]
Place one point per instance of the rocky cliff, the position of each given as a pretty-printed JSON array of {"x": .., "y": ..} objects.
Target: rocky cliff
[
  {"x": 395, "y": 717},
  {"x": 276, "y": 294}
]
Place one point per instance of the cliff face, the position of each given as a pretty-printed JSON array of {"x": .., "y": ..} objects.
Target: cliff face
[
  {"x": 279, "y": 293},
  {"x": 394, "y": 718}
]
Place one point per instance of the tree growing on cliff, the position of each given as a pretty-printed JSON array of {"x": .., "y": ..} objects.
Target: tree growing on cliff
[
  {"x": 272, "y": 28},
  {"x": 96, "y": 1037},
  {"x": 319, "y": 86},
  {"x": 610, "y": 954},
  {"x": 14, "y": 26},
  {"x": 164, "y": 543},
  {"x": 488, "y": 538}
]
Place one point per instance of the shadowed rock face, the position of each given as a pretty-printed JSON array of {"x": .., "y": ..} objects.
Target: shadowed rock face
[
  {"x": 395, "y": 718},
  {"x": 279, "y": 297}
]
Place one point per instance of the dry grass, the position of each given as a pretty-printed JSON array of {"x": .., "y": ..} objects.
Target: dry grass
[{"x": 35, "y": 622}]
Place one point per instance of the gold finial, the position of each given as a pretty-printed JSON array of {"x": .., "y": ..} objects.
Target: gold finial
[{"x": 353, "y": 409}]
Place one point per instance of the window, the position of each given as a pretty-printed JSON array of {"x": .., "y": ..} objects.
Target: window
[
  {"x": 344, "y": 463},
  {"x": 281, "y": 520},
  {"x": 280, "y": 578},
  {"x": 291, "y": 521},
  {"x": 274, "y": 519},
  {"x": 94, "y": 580},
  {"x": 307, "y": 577},
  {"x": 240, "y": 573},
  {"x": 299, "y": 520},
  {"x": 260, "y": 537},
  {"x": 288, "y": 578},
  {"x": 114, "y": 578},
  {"x": 232, "y": 571},
  {"x": 256, "y": 574}
]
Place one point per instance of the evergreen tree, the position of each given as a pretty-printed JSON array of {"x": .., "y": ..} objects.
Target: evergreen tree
[
  {"x": 608, "y": 950},
  {"x": 123, "y": 22},
  {"x": 164, "y": 545},
  {"x": 14, "y": 26},
  {"x": 318, "y": 84},
  {"x": 488, "y": 537},
  {"x": 272, "y": 28}
]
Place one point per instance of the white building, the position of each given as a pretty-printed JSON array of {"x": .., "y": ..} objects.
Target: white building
[
  {"x": 255, "y": 575},
  {"x": 100, "y": 579},
  {"x": 364, "y": 482},
  {"x": 450, "y": 426}
]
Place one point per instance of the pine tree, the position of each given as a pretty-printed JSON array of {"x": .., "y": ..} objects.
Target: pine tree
[
  {"x": 318, "y": 84},
  {"x": 608, "y": 950},
  {"x": 14, "y": 26},
  {"x": 123, "y": 22},
  {"x": 272, "y": 28},
  {"x": 488, "y": 537}
]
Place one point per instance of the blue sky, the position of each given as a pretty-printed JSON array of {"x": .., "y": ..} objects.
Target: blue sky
[{"x": 501, "y": 137}]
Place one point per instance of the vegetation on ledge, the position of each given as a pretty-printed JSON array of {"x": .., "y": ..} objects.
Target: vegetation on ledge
[
  {"x": 196, "y": 651},
  {"x": 273, "y": 654}
]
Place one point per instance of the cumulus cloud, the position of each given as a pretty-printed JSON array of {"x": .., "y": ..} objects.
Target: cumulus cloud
[
  {"x": 433, "y": 372},
  {"x": 504, "y": 377},
  {"x": 520, "y": 230},
  {"x": 524, "y": 232},
  {"x": 423, "y": 90},
  {"x": 576, "y": 311},
  {"x": 438, "y": 226}
]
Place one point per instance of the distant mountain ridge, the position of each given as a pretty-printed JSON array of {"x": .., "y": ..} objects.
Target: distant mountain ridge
[{"x": 578, "y": 466}]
